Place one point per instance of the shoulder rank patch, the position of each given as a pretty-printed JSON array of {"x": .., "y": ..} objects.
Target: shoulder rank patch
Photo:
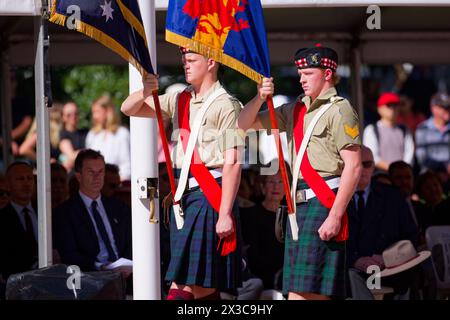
[{"x": 351, "y": 132}]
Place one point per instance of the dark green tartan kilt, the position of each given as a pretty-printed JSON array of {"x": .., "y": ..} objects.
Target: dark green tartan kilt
[
  {"x": 195, "y": 259},
  {"x": 312, "y": 265}
]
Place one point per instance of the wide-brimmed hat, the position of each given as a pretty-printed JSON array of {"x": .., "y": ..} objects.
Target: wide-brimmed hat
[{"x": 401, "y": 256}]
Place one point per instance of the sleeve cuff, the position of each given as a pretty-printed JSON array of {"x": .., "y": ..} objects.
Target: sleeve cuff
[{"x": 231, "y": 138}]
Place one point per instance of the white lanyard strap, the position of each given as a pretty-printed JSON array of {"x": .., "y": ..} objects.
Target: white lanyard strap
[
  {"x": 192, "y": 141},
  {"x": 305, "y": 141}
]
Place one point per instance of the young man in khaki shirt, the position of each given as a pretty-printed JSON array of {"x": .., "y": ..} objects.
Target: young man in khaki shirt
[
  {"x": 314, "y": 265},
  {"x": 197, "y": 269}
]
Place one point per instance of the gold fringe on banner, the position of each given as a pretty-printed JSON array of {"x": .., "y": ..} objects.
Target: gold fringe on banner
[
  {"x": 214, "y": 54},
  {"x": 98, "y": 35},
  {"x": 132, "y": 20}
]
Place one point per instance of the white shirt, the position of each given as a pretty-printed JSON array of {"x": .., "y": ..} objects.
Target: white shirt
[
  {"x": 115, "y": 148},
  {"x": 21, "y": 215},
  {"x": 393, "y": 145},
  {"x": 102, "y": 256}
]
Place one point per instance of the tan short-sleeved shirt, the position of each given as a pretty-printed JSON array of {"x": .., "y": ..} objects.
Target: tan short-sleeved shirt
[
  {"x": 217, "y": 132},
  {"x": 337, "y": 129}
]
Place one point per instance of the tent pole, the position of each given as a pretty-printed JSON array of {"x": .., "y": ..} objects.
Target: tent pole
[
  {"x": 144, "y": 164},
  {"x": 43, "y": 149},
  {"x": 356, "y": 83}
]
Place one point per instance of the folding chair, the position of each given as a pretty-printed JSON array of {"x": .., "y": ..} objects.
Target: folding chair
[{"x": 438, "y": 242}]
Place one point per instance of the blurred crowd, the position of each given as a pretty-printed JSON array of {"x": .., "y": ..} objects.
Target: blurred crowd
[{"x": 404, "y": 189}]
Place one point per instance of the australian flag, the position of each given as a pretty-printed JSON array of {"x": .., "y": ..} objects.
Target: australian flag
[
  {"x": 117, "y": 24},
  {"x": 229, "y": 31}
]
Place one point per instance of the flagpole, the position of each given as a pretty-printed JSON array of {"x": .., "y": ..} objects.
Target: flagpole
[
  {"x": 276, "y": 135},
  {"x": 144, "y": 164},
  {"x": 165, "y": 145},
  {"x": 43, "y": 145}
]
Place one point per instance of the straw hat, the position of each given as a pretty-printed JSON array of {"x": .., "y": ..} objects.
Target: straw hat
[{"x": 401, "y": 256}]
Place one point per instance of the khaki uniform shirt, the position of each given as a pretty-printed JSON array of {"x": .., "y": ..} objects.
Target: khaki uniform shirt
[
  {"x": 337, "y": 129},
  {"x": 218, "y": 130}
]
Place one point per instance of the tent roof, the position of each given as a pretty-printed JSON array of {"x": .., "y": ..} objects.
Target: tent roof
[
  {"x": 408, "y": 34},
  {"x": 20, "y": 8}
]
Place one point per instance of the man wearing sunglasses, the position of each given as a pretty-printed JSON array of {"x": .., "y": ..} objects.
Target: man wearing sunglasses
[{"x": 378, "y": 217}]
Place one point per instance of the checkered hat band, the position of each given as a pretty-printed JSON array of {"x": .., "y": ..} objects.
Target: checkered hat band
[
  {"x": 329, "y": 63},
  {"x": 325, "y": 62},
  {"x": 184, "y": 50},
  {"x": 301, "y": 63}
]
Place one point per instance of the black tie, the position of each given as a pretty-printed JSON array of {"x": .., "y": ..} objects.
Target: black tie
[
  {"x": 101, "y": 228},
  {"x": 29, "y": 231},
  {"x": 361, "y": 204}
]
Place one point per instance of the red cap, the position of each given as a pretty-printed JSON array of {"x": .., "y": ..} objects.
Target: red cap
[{"x": 388, "y": 98}]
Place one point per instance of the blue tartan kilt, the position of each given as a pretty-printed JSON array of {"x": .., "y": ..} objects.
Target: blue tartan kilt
[
  {"x": 312, "y": 265},
  {"x": 195, "y": 257}
]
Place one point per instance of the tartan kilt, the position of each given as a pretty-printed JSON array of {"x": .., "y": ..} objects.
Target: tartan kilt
[
  {"x": 195, "y": 258},
  {"x": 312, "y": 265}
]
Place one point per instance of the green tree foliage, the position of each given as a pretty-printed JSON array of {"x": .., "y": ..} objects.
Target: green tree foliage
[{"x": 84, "y": 84}]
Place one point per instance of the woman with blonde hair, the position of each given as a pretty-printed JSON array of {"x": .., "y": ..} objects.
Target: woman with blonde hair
[
  {"x": 109, "y": 137},
  {"x": 28, "y": 147}
]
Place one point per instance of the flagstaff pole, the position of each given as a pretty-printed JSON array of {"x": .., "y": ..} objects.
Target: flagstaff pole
[
  {"x": 43, "y": 148},
  {"x": 144, "y": 164},
  {"x": 164, "y": 142},
  {"x": 357, "y": 90},
  {"x": 276, "y": 134}
]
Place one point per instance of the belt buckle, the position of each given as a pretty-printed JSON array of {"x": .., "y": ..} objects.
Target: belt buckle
[{"x": 300, "y": 196}]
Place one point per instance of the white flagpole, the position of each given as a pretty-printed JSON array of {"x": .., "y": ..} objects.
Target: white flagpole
[
  {"x": 43, "y": 151},
  {"x": 144, "y": 164}
]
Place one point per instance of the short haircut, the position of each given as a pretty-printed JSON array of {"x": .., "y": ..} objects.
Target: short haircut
[
  {"x": 398, "y": 165},
  {"x": 424, "y": 178},
  {"x": 84, "y": 155},
  {"x": 335, "y": 78},
  {"x": 109, "y": 167},
  {"x": 16, "y": 164},
  {"x": 55, "y": 166},
  {"x": 379, "y": 176}
]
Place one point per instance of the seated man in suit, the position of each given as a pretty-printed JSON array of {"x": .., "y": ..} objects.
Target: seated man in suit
[
  {"x": 18, "y": 223},
  {"x": 378, "y": 217},
  {"x": 88, "y": 230}
]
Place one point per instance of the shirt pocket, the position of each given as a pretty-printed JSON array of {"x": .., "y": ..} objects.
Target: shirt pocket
[
  {"x": 208, "y": 135},
  {"x": 320, "y": 129}
]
